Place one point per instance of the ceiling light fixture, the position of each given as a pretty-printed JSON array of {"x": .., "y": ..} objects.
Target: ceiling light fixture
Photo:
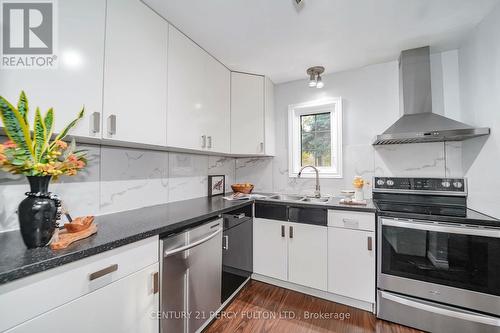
[
  {"x": 319, "y": 82},
  {"x": 315, "y": 77},
  {"x": 312, "y": 81}
]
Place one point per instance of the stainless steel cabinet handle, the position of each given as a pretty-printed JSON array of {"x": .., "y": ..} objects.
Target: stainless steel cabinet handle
[
  {"x": 112, "y": 124},
  {"x": 203, "y": 141},
  {"x": 102, "y": 272},
  {"x": 291, "y": 232},
  {"x": 190, "y": 246},
  {"x": 209, "y": 142},
  {"x": 226, "y": 243},
  {"x": 350, "y": 223},
  {"x": 370, "y": 243},
  {"x": 262, "y": 147},
  {"x": 156, "y": 283},
  {"x": 282, "y": 231},
  {"x": 96, "y": 122}
]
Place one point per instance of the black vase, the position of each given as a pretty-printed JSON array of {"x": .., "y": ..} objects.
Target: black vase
[{"x": 38, "y": 213}]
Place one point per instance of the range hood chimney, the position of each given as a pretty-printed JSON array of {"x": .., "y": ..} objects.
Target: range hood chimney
[{"x": 417, "y": 122}]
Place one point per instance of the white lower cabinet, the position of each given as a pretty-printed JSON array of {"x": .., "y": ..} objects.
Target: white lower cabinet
[
  {"x": 351, "y": 260},
  {"x": 270, "y": 248},
  {"x": 307, "y": 255},
  {"x": 293, "y": 252},
  {"x": 113, "y": 291},
  {"x": 127, "y": 305}
]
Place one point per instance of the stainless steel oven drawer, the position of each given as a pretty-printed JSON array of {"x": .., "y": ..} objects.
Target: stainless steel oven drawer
[{"x": 432, "y": 317}]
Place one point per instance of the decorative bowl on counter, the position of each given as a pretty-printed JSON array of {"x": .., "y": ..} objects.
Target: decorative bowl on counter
[
  {"x": 245, "y": 188},
  {"x": 347, "y": 193}
]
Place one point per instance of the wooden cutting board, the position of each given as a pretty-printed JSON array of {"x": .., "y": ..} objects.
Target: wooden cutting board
[{"x": 66, "y": 238}]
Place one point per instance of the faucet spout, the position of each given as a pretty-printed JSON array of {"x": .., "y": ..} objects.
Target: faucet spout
[{"x": 317, "y": 192}]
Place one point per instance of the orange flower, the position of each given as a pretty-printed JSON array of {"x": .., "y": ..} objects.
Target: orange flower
[
  {"x": 72, "y": 158},
  {"x": 2, "y": 148},
  {"x": 80, "y": 164},
  {"x": 61, "y": 144},
  {"x": 2, "y": 158},
  {"x": 9, "y": 144}
]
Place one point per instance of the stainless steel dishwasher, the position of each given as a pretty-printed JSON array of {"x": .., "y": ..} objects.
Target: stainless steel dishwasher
[{"x": 191, "y": 278}]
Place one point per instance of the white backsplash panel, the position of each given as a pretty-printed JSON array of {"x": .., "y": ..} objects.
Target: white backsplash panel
[
  {"x": 132, "y": 178},
  {"x": 187, "y": 175},
  {"x": 257, "y": 171}
]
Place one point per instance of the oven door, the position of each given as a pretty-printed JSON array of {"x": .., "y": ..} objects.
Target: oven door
[{"x": 443, "y": 262}]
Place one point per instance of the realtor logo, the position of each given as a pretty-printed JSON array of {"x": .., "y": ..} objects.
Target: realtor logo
[{"x": 28, "y": 34}]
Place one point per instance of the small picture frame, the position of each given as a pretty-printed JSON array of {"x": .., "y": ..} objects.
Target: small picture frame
[{"x": 216, "y": 185}]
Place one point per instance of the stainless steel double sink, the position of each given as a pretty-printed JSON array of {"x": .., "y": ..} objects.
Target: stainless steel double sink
[{"x": 297, "y": 198}]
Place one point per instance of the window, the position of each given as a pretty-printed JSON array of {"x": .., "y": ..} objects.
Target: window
[{"x": 315, "y": 138}]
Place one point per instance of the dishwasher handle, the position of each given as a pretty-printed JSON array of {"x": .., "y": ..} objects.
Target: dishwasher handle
[{"x": 191, "y": 245}]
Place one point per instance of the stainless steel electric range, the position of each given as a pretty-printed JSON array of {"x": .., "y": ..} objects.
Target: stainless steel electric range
[{"x": 438, "y": 262}]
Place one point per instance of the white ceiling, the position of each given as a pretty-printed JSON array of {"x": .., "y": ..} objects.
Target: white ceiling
[{"x": 280, "y": 39}]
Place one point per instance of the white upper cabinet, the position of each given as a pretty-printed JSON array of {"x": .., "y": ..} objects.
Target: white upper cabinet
[
  {"x": 218, "y": 97},
  {"x": 135, "y": 78},
  {"x": 252, "y": 115},
  {"x": 199, "y": 94},
  {"x": 186, "y": 92},
  {"x": 77, "y": 80}
]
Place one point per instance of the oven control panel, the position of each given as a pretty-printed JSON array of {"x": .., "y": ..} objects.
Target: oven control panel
[{"x": 424, "y": 185}]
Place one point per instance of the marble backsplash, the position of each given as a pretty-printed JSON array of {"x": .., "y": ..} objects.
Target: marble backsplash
[{"x": 118, "y": 179}]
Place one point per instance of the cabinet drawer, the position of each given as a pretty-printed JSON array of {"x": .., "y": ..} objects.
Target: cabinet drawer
[
  {"x": 270, "y": 211},
  {"x": 124, "y": 306},
  {"x": 351, "y": 220},
  {"x": 39, "y": 293}
]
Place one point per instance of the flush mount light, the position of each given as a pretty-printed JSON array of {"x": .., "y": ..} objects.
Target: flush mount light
[
  {"x": 312, "y": 81},
  {"x": 315, "y": 77}
]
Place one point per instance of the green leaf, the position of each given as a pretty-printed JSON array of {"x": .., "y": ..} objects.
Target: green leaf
[
  {"x": 22, "y": 106},
  {"x": 17, "y": 162},
  {"x": 40, "y": 135},
  {"x": 65, "y": 131},
  {"x": 48, "y": 120},
  {"x": 15, "y": 127}
]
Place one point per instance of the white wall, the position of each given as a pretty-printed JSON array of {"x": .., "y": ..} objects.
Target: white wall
[
  {"x": 370, "y": 105},
  {"x": 479, "y": 60}
]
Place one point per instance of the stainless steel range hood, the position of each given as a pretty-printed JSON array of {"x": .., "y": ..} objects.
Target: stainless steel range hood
[{"x": 418, "y": 123}]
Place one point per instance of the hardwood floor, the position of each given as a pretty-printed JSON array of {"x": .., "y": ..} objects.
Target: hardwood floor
[{"x": 262, "y": 307}]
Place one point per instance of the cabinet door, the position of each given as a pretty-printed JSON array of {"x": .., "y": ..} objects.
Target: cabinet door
[
  {"x": 135, "y": 78},
  {"x": 187, "y": 111},
  {"x": 307, "y": 255},
  {"x": 127, "y": 305},
  {"x": 247, "y": 114},
  {"x": 217, "y": 100},
  {"x": 269, "y": 138},
  {"x": 270, "y": 248},
  {"x": 77, "y": 80},
  {"x": 351, "y": 264}
]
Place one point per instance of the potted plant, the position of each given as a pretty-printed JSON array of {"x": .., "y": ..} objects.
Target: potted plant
[{"x": 32, "y": 153}]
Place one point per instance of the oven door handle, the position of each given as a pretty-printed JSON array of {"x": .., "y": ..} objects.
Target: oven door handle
[
  {"x": 455, "y": 313},
  {"x": 441, "y": 227}
]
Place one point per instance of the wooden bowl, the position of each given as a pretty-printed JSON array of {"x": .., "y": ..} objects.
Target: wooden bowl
[{"x": 242, "y": 188}]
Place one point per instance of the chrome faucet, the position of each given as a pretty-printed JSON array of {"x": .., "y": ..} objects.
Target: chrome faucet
[{"x": 317, "y": 193}]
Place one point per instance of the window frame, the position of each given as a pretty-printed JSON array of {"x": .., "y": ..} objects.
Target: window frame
[{"x": 295, "y": 111}]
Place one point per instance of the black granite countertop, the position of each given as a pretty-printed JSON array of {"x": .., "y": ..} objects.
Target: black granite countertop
[{"x": 114, "y": 230}]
